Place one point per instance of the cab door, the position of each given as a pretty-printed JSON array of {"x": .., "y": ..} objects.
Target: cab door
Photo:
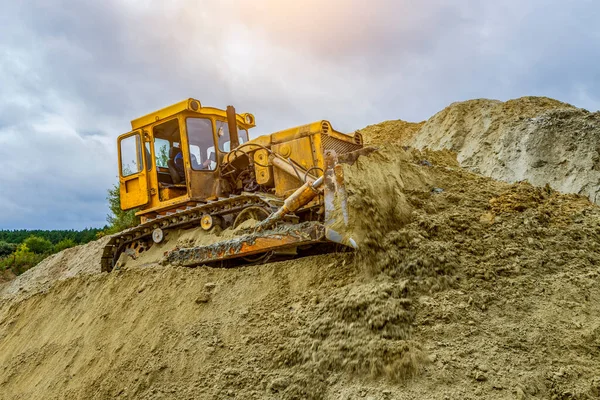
[{"x": 133, "y": 171}]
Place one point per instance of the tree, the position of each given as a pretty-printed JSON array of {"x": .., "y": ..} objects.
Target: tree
[
  {"x": 163, "y": 156},
  {"x": 64, "y": 244},
  {"x": 38, "y": 245},
  {"x": 6, "y": 248},
  {"x": 21, "y": 260},
  {"x": 118, "y": 219},
  {"x": 18, "y": 236}
]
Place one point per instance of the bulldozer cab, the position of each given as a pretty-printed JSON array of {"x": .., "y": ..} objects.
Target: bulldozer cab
[{"x": 172, "y": 157}]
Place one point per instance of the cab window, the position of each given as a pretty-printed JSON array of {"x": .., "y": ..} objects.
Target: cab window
[
  {"x": 161, "y": 151},
  {"x": 223, "y": 135},
  {"x": 201, "y": 144},
  {"x": 195, "y": 156},
  {"x": 243, "y": 134},
  {"x": 131, "y": 155},
  {"x": 167, "y": 152}
]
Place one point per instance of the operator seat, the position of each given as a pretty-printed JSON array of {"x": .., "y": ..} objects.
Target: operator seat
[{"x": 171, "y": 165}]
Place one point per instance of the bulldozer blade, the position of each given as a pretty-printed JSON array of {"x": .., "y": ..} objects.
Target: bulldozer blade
[
  {"x": 335, "y": 195},
  {"x": 251, "y": 244}
]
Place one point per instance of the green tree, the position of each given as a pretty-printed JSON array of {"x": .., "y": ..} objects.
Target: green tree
[
  {"x": 18, "y": 236},
  {"x": 21, "y": 260},
  {"x": 118, "y": 219},
  {"x": 163, "y": 156},
  {"x": 64, "y": 244},
  {"x": 38, "y": 245},
  {"x": 6, "y": 248}
]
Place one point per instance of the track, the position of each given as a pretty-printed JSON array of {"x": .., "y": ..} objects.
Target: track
[{"x": 137, "y": 239}]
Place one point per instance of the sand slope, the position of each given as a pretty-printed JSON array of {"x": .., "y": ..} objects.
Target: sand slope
[
  {"x": 537, "y": 139},
  {"x": 465, "y": 287}
]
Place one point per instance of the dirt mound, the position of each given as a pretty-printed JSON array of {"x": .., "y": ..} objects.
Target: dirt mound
[
  {"x": 79, "y": 260},
  {"x": 396, "y": 132},
  {"x": 464, "y": 287},
  {"x": 537, "y": 139}
]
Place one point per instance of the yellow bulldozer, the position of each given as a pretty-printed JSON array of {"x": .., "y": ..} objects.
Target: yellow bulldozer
[{"x": 188, "y": 166}]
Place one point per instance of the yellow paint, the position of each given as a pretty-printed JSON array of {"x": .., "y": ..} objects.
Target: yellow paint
[
  {"x": 264, "y": 172},
  {"x": 133, "y": 188},
  {"x": 185, "y": 105}
]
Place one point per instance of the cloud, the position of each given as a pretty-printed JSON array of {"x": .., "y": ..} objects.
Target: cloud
[{"x": 74, "y": 73}]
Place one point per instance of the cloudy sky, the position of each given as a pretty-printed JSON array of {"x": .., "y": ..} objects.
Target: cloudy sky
[{"x": 73, "y": 73}]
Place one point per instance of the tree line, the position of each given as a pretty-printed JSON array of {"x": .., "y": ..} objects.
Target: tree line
[
  {"x": 18, "y": 236},
  {"x": 23, "y": 249}
]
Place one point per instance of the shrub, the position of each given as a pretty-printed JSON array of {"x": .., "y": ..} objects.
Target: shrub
[
  {"x": 6, "y": 248},
  {"x": 21, "y": 260},
  {"x": 38, "y": 245}
]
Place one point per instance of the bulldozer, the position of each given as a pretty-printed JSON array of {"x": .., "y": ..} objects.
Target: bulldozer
[{"x": 187, "y": 166}]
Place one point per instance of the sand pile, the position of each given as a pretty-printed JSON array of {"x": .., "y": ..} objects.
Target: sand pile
[
  {"x": 396, "y": 132},
  {"x": 465, "y": 287},
  {"x": 79, "y": 260},
  {"x": 537, "y": 139}
]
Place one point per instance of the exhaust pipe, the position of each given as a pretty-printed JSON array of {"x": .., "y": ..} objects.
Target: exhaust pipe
[{"x": 233, "y": 132}]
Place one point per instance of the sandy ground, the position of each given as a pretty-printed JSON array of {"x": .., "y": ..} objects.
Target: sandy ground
[
  {"x": 464, "y": 288},
  {"x": 537, "y": 139}
]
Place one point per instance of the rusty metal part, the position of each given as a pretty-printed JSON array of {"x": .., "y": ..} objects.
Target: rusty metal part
[
  {"x": 178, "y": 219},
  {"x": 256, "y": 213},
  {"x": 303, "y": 195},
  {"x": 158, "y": 235},
  {"x": 248, "y": 245},
  {"x": 232, "y": 125}
]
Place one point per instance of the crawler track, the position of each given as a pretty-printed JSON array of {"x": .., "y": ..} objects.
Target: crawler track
[{"x": 141, "y": 235}]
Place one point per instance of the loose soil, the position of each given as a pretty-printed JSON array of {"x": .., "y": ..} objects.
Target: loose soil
[{"x": 397, "y": 132}]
